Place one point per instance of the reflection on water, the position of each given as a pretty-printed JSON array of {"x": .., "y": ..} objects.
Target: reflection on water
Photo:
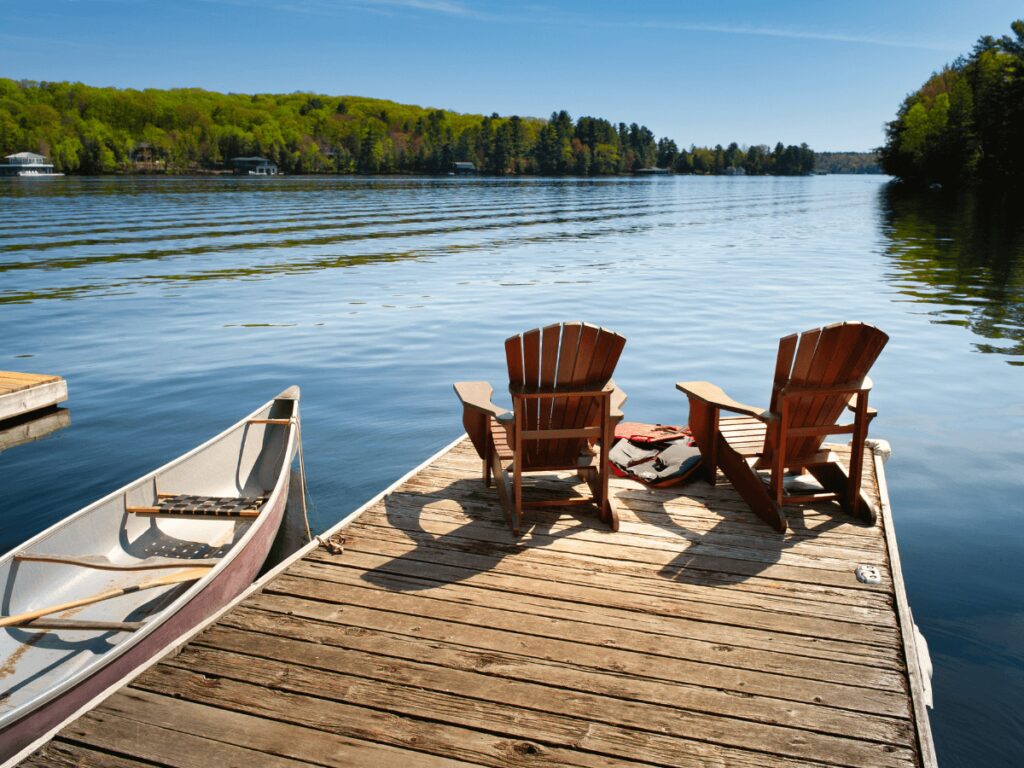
[
  {"x": 173, "y": 306},
  {"x": 965, "y": 257},
  {"x": 32, "y": 426}
]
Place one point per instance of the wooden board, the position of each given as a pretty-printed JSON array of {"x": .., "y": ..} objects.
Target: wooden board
[
  {"x": 24, "y": 392},
  {"x": 693, "y": 636}
]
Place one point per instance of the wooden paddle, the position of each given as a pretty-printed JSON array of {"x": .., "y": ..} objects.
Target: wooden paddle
[{"x": 192, "y": 574}]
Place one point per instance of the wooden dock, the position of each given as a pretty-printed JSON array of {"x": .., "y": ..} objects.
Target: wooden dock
[
  {"x": 21, "y": 393},
  {"x": 693, "y": 636}
]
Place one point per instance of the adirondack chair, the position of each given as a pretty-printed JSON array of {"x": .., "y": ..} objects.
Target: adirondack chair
[
  {"x": 818, "y": 374},
  {"x": 563, "y": 401}
]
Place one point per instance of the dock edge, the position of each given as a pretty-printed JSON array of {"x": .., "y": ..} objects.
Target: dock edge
[
  {"x": 922, "y": 725},
  {"x": 174, "y": 646}
]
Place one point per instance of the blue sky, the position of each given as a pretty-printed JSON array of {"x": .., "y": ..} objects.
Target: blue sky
[{"x": 829, "y": 72}]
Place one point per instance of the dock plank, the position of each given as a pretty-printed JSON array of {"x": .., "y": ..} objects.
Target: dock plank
[
  {"x": 596, "y": 677},
  {"x": 473, "y": 699},
  {"x": 105, "y": 731},
  {"x": 693, "y": 636},
  {"x": 780, "y": 658},
  {"x": 662, "y": 630},
  {"x": 566, "y": 646},
  {"x": 22, "y": 393},
  {"x": 357, "y": 720},
  {"x": 507, "y": 587},
  {"x": 547, "y": 564},
  {"x": 258, "y": 732}
]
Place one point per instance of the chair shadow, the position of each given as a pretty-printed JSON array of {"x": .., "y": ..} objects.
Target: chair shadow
[
  {"x": 475, "y": 546},
  {"x": 725, "y": 554}
]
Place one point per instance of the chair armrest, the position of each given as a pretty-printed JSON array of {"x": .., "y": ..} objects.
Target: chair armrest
[
  {"x": 618, "y": 399},
  {"x": 852, "y": 405},
  {"x": 476, "y": 396},
  {"x": 713, "y": 395}
]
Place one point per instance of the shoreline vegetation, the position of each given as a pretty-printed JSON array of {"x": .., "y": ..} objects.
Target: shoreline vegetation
[
  {"x": 90, "y": 130},
  {"x": 846, "y": 162},
  {"x": 965, "y": 125}
]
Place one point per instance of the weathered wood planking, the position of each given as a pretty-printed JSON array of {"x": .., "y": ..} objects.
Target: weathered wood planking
[
  {"x": 692, "y": 636},
  {"x": 25, "y": 392}
]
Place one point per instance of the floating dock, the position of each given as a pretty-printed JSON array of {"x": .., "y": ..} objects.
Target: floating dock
[
  {"x": 431, "y": 636},
  {"x": 22, "y": 393}
]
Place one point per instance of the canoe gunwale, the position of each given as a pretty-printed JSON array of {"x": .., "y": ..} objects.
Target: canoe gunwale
[{"x": 153, "y": 622}]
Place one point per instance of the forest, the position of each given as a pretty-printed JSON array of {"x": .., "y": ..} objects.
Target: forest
[
  {"x": 846, "y": 162},
  {"x": 90, "y": 130},
  {"x": 966, "y": 123}
]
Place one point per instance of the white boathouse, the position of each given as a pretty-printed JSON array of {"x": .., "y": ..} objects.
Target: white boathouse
[
  {"x": 27, "y": 164},
  {"x": 254, "y": 166}
]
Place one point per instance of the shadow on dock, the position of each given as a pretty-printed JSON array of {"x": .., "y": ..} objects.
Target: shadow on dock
[
  {"x": 692, "y": 636},
  {"x": 479, "y": 544}
]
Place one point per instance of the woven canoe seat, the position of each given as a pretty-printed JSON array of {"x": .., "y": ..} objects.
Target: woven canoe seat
[{"x": 203, "y": 506}]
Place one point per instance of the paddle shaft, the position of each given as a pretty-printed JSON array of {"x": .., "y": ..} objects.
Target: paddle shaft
[{"x": 192, "y": 574}]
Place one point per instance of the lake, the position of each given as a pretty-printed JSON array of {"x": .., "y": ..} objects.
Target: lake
[{"x": 174, "y": 306}]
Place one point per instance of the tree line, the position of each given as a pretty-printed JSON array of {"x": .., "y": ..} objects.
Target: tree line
[
  {"x": 846, "y": 162},
  {"x": 966, "y": 123},
  {"x": 92, "y": 130}
]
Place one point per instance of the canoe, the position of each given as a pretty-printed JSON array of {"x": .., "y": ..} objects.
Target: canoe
[{"x": 166, "y": 551}]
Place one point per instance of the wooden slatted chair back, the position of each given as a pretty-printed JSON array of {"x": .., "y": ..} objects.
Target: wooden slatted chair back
[
  {"x": 575, "y": 357},
  {"x": 836, "y": 357}
]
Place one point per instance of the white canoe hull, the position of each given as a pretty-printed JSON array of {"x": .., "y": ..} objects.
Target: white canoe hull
[{"x": 36, "y": 693}]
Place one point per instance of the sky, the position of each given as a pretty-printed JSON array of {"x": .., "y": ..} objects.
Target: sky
[{"x": 827, "y": 72}]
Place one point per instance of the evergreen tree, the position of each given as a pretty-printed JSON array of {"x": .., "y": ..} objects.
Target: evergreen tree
[
  {"x": 966, "y": 122},
  {"x": 667, "y": 153}
]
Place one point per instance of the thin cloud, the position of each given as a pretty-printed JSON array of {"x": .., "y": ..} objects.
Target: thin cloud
[
  {"x": 547, "y": 15},
  {"x": 551, "y": 17},
  {"x": 327, "y": 8},
  {"x": 436, "y": 6},
  {"x": 797, "y": 34}
]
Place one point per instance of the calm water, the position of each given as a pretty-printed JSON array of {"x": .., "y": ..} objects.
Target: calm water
[{"x": 174, "y": 306}]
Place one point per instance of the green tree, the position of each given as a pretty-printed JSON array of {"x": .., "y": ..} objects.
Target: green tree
[
  {"x": 667, "y": 153},
  {"x": 966, "y": 122},
  {"x": 734, "y": 156}
]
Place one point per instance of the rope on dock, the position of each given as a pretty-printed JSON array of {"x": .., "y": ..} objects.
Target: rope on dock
[{"x": 334, "y": 544}]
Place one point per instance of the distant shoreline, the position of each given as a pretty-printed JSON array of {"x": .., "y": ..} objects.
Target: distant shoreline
[
  {"x": 88, "y": 130},
  {"x": 227, "y": 174}
]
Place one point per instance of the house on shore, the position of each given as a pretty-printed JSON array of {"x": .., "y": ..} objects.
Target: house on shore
[
  {"x": 462, "y": 169},
  {"x": 146, "y": 158},
  {"x": 253, "y": 166},
  {"x": 27, "y": 164}
]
